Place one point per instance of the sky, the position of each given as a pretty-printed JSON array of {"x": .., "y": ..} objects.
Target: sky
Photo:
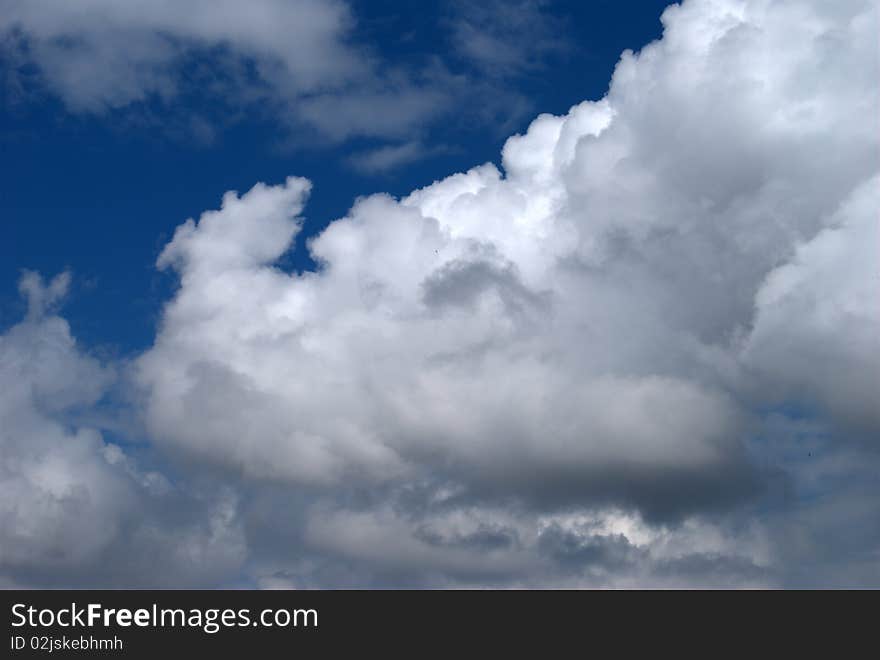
[{"x": 526, "y": 293}]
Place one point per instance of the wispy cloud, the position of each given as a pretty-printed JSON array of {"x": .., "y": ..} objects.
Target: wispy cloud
[
  {"x": 505, "y": 38},
  {"x": 391, "y": 157}
]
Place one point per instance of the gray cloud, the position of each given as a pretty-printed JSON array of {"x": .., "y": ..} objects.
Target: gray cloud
[
  {"x": 135, "y": 46},
  {"x": 304, "y": 62}
]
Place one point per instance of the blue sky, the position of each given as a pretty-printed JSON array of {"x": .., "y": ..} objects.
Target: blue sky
[{"x": 529, "y": 293}]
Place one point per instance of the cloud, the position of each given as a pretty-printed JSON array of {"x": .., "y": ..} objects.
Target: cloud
[
  {"x": 135, "y": 46},
  {"x": 501, "y": 547},
  {"x": 41, "y": 298},
  {"x": 818, "y": 320},
  {"x": 75, "y": 509},
  {"x": 300, "y": 58},
  {"x": 410, "y": 343},
  {"x": 507, "y": 38},
  {"x": 600, "y": 364},
  {"x": 384, "y": 159},
  {"x": 306, "y": 63}
]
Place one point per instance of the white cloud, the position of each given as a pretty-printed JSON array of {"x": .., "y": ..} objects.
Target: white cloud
[
  {"x": 565, "y": 369},
  {"x": 298, "y": 56},
  {"x": 134, "y": 44},
  {"x": 513, "y": 323},
  {"x": 74, "y": 509},
  {"x": 61, "y": 501},
  {"x": 565, "y": 333},
  {"x": 309, "y": 64}
]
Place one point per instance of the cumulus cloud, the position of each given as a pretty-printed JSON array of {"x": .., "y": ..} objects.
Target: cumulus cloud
[
  {"x": 578, "y": 368},
  {"x": 75, "y": 509}
]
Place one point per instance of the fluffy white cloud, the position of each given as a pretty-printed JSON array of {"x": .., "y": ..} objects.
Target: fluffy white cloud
[
  {"x": 572, "y": 368},
  {"x": 565, "y": 323},
  {"x": 75, "y": 509},
  {"x": 61, "y": 499},
  {"x": 577, "y": 331}
]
